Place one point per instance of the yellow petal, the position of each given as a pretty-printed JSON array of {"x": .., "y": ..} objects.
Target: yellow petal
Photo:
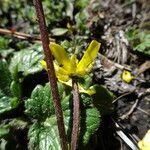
[
  {"x": 43, "y": 63},
  {"x": 144, "y": 144},
  {"x": 88, "y": 69},
  {"x": 74, "y": 60},
  {"x": 61, "y": 73},
  {"x": 89, "y": 91},
  {"x": 127, "y": 76},
  {"x": 60, "y": 69},
  {"x": 61, "y": 56},
  {"x": 68, "y": 83},
  {"x": 88, "y": 57},
  {"x": 62, "y": 78}
]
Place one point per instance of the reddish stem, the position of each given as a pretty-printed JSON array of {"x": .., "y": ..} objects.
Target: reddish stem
[
  {"x": 51, "y": 73},
  {"x": 76, "y": 116}
]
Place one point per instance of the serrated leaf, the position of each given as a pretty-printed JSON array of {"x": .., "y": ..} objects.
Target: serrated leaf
[
  {"x": 7, "y": 102},
  {"x": 139, "y": 40},
  {"x": 40, "y": 105},
  {"x": 86, "y": 99},
  {"x": 90, "y": 121},
  {"x": 43, "y": 135},
  {"x": 144, "y": 44},
  {"x": 26, "y": 61},
  {"x": 5, "y": 78}
]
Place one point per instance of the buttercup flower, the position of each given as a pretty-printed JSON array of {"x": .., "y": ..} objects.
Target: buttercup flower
[
  {"x": 127, "y": 76},
  {"x": 144, "y": 144},
  {"x": 67, "y": 67}
]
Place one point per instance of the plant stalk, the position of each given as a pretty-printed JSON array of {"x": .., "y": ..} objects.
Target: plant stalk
[
  {"x": 76, "y": 116},
  {"x": 51, "y": 72}
]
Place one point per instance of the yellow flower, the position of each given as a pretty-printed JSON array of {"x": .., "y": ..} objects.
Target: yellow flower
[
  {"x": 127, "y": 76},
  {"x": 67, "y": 67},
  {"x": 144, "y": 144}
]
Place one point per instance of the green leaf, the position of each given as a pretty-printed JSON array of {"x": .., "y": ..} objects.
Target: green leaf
[
  {"x": 14, "y": 124},
  {"x": 103, "y": 100},
  {"x": 7, "y": 102},
  {"x": 81, "y": 3},
  {"x": 40, "y": 105},
  {"x": 26, "y": 62},
  {"x": 81, "y": 20},
  {"x": 85, "y": 99},
  {"x": 139, "y": 40},
  {"x": 4, "y": 130},
  {"x": 3, "y": 43},
  {"x": 43, "y": 134},
  {"x": 90, "y": 121},
  {"x": 69, "y": 8},
  {"x": 15, "y": 88},
  {"x": 10, "y": 132},
  {"x": 5, "y": 78},
  {"x": 86, "y": 81},
  {"x": 22, "y": 44},
  {"x": 3, "y": 144},
  {"x": 6, "y": 52},
  {"x": 59, "y": 31},
  {"x": 144, "y": 44}
]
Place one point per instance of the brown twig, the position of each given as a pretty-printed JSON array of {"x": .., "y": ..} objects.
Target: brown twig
[
  {"x": 107, "y": 61},
  {"x": 21, "y": 35},
  {"x": 126, "y": 115},
  {"x": 76, "y": 116},
  {"x": 51, "y": 73},
  {"x": 121, "y": 96},
  {"x": 139, "y": 108}
]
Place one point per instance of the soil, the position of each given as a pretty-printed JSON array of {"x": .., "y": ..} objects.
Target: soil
[{"x": 132, "y": 105}]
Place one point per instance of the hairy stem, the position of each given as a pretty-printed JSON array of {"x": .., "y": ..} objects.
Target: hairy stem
[
  {"x": 51, "y": 72},
  {"x": 76, "y": 116}
]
